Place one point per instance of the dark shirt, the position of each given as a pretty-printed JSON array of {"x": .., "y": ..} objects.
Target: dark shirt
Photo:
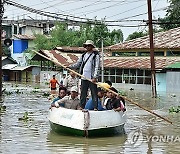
[{"x": 114, "y": 103}]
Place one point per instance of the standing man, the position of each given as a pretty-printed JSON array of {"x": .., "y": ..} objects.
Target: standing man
[
  {"x": 52, "y": 84},
  {"x": 89, "y": 65},
  {"x": 70, "y": 81}
]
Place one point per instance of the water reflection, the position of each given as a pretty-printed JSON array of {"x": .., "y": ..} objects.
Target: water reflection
[
  {"x": 34, "y": 136},
  {"x": 69, "y": 144}
]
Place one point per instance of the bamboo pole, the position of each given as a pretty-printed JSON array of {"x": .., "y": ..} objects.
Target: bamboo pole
[{"x": 129, "y": 100}]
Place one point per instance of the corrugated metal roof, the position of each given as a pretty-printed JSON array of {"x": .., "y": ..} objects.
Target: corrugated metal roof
[
  {"x": 162, "y": 40},
  {"x": 73, "y": 49},
  {"x": 8, "y": 66},
  {"x": 4, "y": 57},
  {"x": 20, "y": 68},
  {"x": 113, "y": 62},
  {"x": 175, "y": 65},
  {"x": 24, "y": 37}
]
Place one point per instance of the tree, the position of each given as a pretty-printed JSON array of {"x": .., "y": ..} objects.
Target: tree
[
  {"x": 136, "y": 35},
  {"x": 61, "y": 35},
  {"x": 172, "y": 18}
]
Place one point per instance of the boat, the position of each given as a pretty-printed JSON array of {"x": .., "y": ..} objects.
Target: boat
[{"x": 86, "y": 122}]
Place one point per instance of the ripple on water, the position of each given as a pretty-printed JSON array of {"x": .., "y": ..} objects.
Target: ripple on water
[{"x": 34, "y": 136}]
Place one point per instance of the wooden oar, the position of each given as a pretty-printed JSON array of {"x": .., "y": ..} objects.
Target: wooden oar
[{"x": 100, "y": 85}]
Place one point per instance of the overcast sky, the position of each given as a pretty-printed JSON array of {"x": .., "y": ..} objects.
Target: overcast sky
[{"x": 110, "y": 10}]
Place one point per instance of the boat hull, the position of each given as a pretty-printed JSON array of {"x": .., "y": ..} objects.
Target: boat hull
[
  {"x": 86, "y": 123},
  {"x": 91, "y": 133}
]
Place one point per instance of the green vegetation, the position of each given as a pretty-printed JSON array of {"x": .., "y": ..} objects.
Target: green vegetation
[
  {"x": 171, "y": 20},
  {"x": 36, "y": 87},
  {"x": 122, "y": 93},
  {"x": 62, "y": 36},
  {"x": 2, "y": 108},
  {"x": 174, "y": 109},
  {"x": 24, "y": 118},
  {"x": 46, "y": 94}
]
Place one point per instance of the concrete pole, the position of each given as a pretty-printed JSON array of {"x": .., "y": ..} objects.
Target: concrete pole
[
  {"x": 153, "y": 73},
  {"x": 102, "y": 63}
]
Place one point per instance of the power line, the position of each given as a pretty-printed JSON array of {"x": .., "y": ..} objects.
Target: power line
[{"x": 90, "y": 21}]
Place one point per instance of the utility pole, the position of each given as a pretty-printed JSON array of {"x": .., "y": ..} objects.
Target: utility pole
[
  {"x": 153, "y": 73},
  {"x": 102, "y": 58},
  {"x": 1, "y": 16}
]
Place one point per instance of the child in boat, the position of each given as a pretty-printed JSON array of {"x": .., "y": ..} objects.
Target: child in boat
[
  {"x": 71, "y": 101},
  {"x": 62, "y": 93},
  {"x": 89, "y": 104},
  {"x": 115, "y": 102}
]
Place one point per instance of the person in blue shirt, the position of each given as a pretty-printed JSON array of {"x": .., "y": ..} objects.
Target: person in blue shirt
[
  {"x": 89, "y": 105},
  {"x": 62, "y": 93}
]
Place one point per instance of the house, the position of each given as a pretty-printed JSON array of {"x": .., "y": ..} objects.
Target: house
[
  {"x": 19, "y": 45},
  {"x": 21, "y": 73},
  {"x": 167, "y": 52}
]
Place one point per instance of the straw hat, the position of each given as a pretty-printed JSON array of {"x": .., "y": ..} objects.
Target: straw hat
[{"x": 89, "y": 42}]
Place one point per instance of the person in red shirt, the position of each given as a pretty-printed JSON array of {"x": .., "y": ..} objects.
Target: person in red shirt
[{"x": 53, "y": 83}]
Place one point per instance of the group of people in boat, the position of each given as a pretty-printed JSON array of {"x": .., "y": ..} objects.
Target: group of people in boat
[
  {"x": 89, "y": 66},
  {"x": 106, "y": 100}
]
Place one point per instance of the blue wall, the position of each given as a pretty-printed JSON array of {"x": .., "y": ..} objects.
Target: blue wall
[
  {"x": 19, "y": 46},
  {"x": 161, "y": 82}
]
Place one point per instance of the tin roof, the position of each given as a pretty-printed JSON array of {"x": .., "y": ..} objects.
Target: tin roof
[
  {"x": 72, "y": 49},
  {"x": 113, "y": 62},
  {"x": 163, "y": 40},
  {"x": 24, "y": 37},
  {"x": 19, "y": 68},
  {"x": 8, "y": 66}
]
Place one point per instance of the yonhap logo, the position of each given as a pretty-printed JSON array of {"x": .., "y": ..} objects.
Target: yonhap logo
[{"x": 136, "y": 138}]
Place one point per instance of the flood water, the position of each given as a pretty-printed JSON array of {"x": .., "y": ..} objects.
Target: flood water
[{"x": 144, "y": 133}]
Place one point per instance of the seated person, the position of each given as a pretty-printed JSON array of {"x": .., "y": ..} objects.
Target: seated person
[
  {"x": 62, "y": 93},
  {"x": 89, "y": 104},
  {"x": 115, "y": 103},
  {"x": 71, "y": 101}
]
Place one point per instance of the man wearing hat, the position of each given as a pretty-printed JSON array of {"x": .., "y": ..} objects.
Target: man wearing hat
[{"x": 89, "y": 65}]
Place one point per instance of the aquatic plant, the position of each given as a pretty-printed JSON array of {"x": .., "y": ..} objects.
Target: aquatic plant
[
  {"x": 2, "y": 108},
  {"x": 25, "y": 117},
  {"x": 17, "y": 91},
  {"x": 122, "y": 93},
  {"x": 34, "y": 91},
  {"x": 46, "y": 83},
  {"x": 46, "y": 94},
  {"x": 8, "y": 92},
  {"x": 36, "y": 87},
  {"x": 174, "y": 109}
]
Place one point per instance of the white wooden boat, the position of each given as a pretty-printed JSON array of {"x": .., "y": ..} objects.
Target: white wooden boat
[{"x": 86, "y": 123}]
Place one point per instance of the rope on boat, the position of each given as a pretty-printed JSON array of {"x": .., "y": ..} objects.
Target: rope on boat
[{"x": 86, "y": 122}]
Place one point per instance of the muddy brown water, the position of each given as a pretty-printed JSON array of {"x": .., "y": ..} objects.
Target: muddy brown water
[{"x": 144, "y": 133}]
